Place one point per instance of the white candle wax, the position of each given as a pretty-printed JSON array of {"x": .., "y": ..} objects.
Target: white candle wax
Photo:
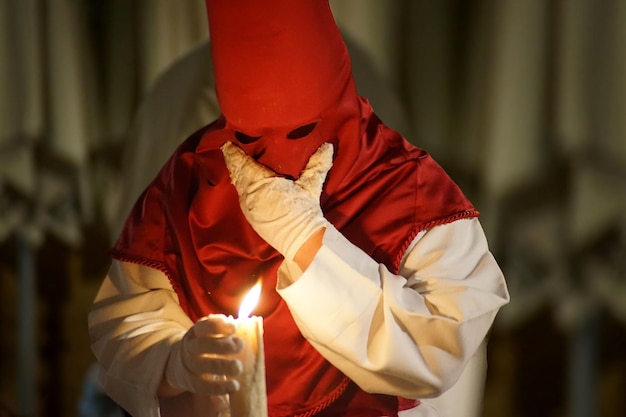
[{"x": 251, "y": 399}]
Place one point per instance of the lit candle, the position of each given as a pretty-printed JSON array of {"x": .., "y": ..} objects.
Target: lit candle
[{"x": 251, "y": 399}]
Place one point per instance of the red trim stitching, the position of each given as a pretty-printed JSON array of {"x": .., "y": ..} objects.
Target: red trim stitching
[
  {"x": 421, "y": 227},
  {"x": 328, "y": 401},
  {"x": 118, "y": 255}
]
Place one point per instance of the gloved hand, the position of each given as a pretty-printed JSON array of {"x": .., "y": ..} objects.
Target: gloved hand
[
  {"x": 284, "y": 213},
  {"x": 202, "y": 361}
]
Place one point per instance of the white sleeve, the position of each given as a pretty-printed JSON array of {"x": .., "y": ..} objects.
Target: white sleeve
[
  {"x": 409, "y": 334},
  {"x": 133, "y": 322}
]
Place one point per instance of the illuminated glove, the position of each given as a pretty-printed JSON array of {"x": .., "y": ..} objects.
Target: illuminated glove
[
  {"x": 284, "y": 213},
  {"x": 202, "y": 362}
]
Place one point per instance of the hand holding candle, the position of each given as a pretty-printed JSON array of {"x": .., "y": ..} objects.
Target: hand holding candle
[
  {"x": 251, "y": 398},
  {"x": 202, "y": 362}
]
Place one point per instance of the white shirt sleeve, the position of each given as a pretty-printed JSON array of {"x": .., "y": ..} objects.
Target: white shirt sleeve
[
  {"x": 409, "y": 334},
  {"x": 133, "y": 322}
]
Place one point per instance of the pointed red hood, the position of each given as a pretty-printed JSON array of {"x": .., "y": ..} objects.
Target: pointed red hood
[
  {"x": 283, "y": 78},
  {"x": 277, "y": 63}
]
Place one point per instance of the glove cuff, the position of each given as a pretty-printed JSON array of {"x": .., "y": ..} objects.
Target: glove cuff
[
  {"x": 176, "y": 373},
  {"x": 302, "y": 234}
]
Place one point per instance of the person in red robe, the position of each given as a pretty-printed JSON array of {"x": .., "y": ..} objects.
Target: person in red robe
[{"x": 378, "y": 287}]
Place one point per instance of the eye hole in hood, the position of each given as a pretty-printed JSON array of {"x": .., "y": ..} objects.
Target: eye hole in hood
[
  {"x": 301, "y": 131},
  {"x": 246, "y": 139}
]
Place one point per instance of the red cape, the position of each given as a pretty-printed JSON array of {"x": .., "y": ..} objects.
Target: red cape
[{"x": 188, "y": 224}]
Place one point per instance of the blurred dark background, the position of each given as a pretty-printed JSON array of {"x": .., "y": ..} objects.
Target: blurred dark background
[{"x": 522, "y": 102}]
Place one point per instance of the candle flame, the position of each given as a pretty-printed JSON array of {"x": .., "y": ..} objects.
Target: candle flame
[{"x": 250, "y": 301}]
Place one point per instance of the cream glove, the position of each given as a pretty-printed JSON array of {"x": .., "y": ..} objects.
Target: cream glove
[
  {"x": 284, "y": 213},
  {"x": 202, "y": 362}
]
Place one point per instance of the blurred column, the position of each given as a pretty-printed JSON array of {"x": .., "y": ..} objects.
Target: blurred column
[
  {"x": 373, "y": 24},
  {"x": 514, "y": 150},
  {"x": 583, "y": 367},
  {"x": 429, "y": 56},
  {"x": 27, "y": 378}
]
